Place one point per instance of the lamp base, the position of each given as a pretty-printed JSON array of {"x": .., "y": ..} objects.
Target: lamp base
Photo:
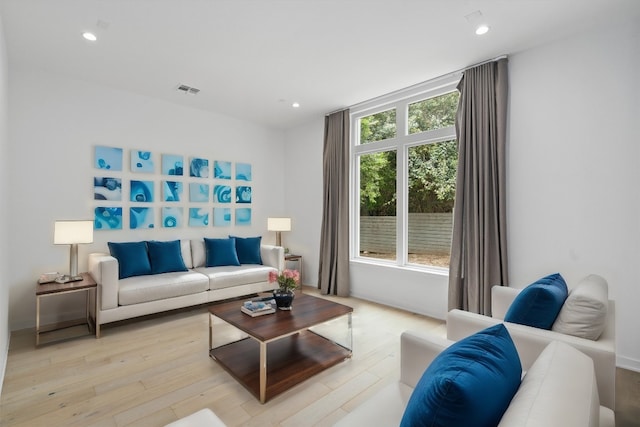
[{"x": 65, "y": 278}]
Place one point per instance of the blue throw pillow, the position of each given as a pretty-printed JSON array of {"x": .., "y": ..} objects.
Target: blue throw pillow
[
  {"x": 221, "y": 252},
  {"x": 132, "y": 257},
  {"x": 165, "y": 257},
  {"x": 248, "y": 249},
  {"x": 471, "y": 383},
  {"x": 539, "y": 303}
]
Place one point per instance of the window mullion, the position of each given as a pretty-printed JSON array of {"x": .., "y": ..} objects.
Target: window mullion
[{"x": 401, "y": 185}]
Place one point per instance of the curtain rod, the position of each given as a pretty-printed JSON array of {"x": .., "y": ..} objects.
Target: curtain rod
[{"x": 461, "y": 70}]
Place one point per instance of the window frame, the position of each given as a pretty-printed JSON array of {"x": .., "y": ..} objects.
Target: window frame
[{"x": 401, "y": 143}]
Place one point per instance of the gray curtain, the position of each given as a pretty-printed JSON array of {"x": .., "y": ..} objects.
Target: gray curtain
[
  {"x": 333, "y": 273},
  {"x": 479, "y": 243}
]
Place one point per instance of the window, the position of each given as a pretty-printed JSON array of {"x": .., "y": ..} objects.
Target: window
[{"x": 405, "y": 156}]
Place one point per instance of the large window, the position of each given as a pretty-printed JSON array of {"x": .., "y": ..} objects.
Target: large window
[{"x": 406, "y": 156}]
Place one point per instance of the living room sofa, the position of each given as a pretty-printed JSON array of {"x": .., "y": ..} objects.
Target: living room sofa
[
  {"x": 139, "y": 295},
  {"x": 531, "y": 341},
  {"x": 559, "y": 389}
]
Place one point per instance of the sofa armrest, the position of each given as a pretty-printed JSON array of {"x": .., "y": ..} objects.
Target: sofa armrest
[
  {"x": 531, "y": 341},
  {"x": 104, "y": 270},
  {"x": 273, "y": 256},
  {"x": 501, "y": 299},
  {"x": 417, "y": 351}
]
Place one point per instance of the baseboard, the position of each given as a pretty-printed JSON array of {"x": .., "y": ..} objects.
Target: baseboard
[
  {"x": 628, "y": 363},
  {"x": 3, "y": 362}
]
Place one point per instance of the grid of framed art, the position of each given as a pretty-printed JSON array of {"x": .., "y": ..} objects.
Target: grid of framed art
[{"x": 162, "y": 190}]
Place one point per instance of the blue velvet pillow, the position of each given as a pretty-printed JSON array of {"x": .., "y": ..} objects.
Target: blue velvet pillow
[
  {"x": 165, "y": 257},
  {"x": 221, "y": 252},
  {"x": 132, "y": 257},
  {"x": 248, "y": 249},
  {"x": 539, "y": 303},
  {"x": 470, "y": 383}
]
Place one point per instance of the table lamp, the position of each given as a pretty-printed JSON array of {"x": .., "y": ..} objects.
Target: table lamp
[
  {"x": 72, "y": 233},
  {"x": 279, "y": 225}
]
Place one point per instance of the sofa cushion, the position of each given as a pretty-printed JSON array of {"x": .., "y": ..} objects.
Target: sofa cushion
[
  {"x": 221, "y": 252},
  {"x": 185, "y": 248},
  {"x": 136, "y": 290},
  {"x": 584, "y": 313},
  {"x": 165, "y": 257},
  {"x": 198, "y": 253},
  {"x": 558, "y": 390},
  {"x": 248, "y": 249},
  {"x": 232, "y": 275},
  {"x": 539, "y": 303},
  {"x": 469, "y": 383},
  {"x": 132, "y": 257}
]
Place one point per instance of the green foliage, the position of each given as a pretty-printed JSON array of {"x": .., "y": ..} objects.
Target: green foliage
[
  {"x": 378, "y": 184},
  {"x": 432, "y": 167},
  {"x": 433, "y": 113},
  {"x": 378, "y": 127},
  {"x": 432, "y": 177}
]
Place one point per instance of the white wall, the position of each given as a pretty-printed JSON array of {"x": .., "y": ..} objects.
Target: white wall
[
  {"x": 573, "y": 199},
  {"x": 56, "y": 122},
  {"x": 4, "y": 215},
  {"x": 303, "y": 159}
]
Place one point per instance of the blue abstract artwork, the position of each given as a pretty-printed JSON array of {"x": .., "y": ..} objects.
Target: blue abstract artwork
[
  {"x": 107, "y": 188},
  {"x": 109, "y": 158},
  {"x": 198, "y": 192},
  {"x": 221, "y": 217},
  {"x": 243, "y": 171},
  {"x": 198, "y": 217},
  {"x": 222, "y": 170},
  {"x": 243, "y": 216},
  {"x": 198, "y": 167},
  {"x": 222, "y": 194},
  {"x": 141, "y": 191},
  {"x": 172, "y": 165},
  {"x": 141, "y": 218},
  {"x": 172, "y": 191},
  {"x": 107, "y": 218},
  {"x": 141, "y": 161},
  {"x": 172, "y": 217},
  {"x": 243, "y": 194}
]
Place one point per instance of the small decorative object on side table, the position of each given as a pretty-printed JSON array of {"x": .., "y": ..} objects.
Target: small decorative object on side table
[
  {"x": 87, "y": 284},
  {"x": 295, "y": 258},
  {"x": 287, "y": 281}
]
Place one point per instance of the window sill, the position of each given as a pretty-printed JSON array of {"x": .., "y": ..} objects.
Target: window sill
[{"x": 439, "y": 271}]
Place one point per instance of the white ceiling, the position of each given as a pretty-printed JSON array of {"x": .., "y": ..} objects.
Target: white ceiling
[{"x": 252, "y": 58}]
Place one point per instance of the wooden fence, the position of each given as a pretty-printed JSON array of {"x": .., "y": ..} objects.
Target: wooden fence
[{"x": 428, "y": 233}]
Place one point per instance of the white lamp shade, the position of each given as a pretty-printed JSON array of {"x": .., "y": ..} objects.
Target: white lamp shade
[
  {"x": 279, "y": 224},
  {"x": 72, "y": 232}
]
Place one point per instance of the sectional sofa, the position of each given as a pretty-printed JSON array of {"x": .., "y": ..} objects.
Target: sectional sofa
[{"x": 179, "y": 273}]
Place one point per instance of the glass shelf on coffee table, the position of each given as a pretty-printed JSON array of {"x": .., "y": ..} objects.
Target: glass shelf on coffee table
[{"x": 270, "y": 354}]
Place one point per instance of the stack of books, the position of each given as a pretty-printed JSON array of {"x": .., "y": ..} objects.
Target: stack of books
[{"x": 259, "y": 308}]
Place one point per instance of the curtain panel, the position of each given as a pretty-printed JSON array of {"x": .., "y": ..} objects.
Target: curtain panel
[
  {"x": 479, "y": 241},
  {"x": 333, "y": 272}
]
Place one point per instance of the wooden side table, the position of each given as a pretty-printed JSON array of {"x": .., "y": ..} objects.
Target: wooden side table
[
  {"x": 87, "y": 284},
  {"x": 291, "y": 257}
]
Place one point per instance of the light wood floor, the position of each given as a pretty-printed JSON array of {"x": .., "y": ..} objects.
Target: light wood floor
[{"x": 152, "y": 371}]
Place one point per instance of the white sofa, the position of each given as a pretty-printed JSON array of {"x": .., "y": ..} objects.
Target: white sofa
[
  {"x": 531, "y": 341},
  {"x": 119, "y": 299},
  {"x": 559, "y": 389}
]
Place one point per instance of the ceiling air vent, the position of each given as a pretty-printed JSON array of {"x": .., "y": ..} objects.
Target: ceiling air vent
[{"x": 187, "y": 89}]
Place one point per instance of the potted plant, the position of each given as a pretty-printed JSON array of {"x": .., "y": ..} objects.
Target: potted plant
[{"x": 288, "y": 281}]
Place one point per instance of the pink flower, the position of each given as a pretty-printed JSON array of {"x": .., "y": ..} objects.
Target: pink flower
[{"x": 273, "y": 276}]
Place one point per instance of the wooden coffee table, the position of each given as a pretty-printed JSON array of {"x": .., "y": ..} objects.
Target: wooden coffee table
[{"x": 280, "y": 350}]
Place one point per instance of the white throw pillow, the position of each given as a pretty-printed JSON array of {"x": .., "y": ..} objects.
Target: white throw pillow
[{"x": 584, "y": 313}]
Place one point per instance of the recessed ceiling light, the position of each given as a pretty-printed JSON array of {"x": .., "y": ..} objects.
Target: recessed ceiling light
[
  {"x": 482, "y": 29},
  {"x": 89, "y": 36},
  {"x": 295, "y": 105}
]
